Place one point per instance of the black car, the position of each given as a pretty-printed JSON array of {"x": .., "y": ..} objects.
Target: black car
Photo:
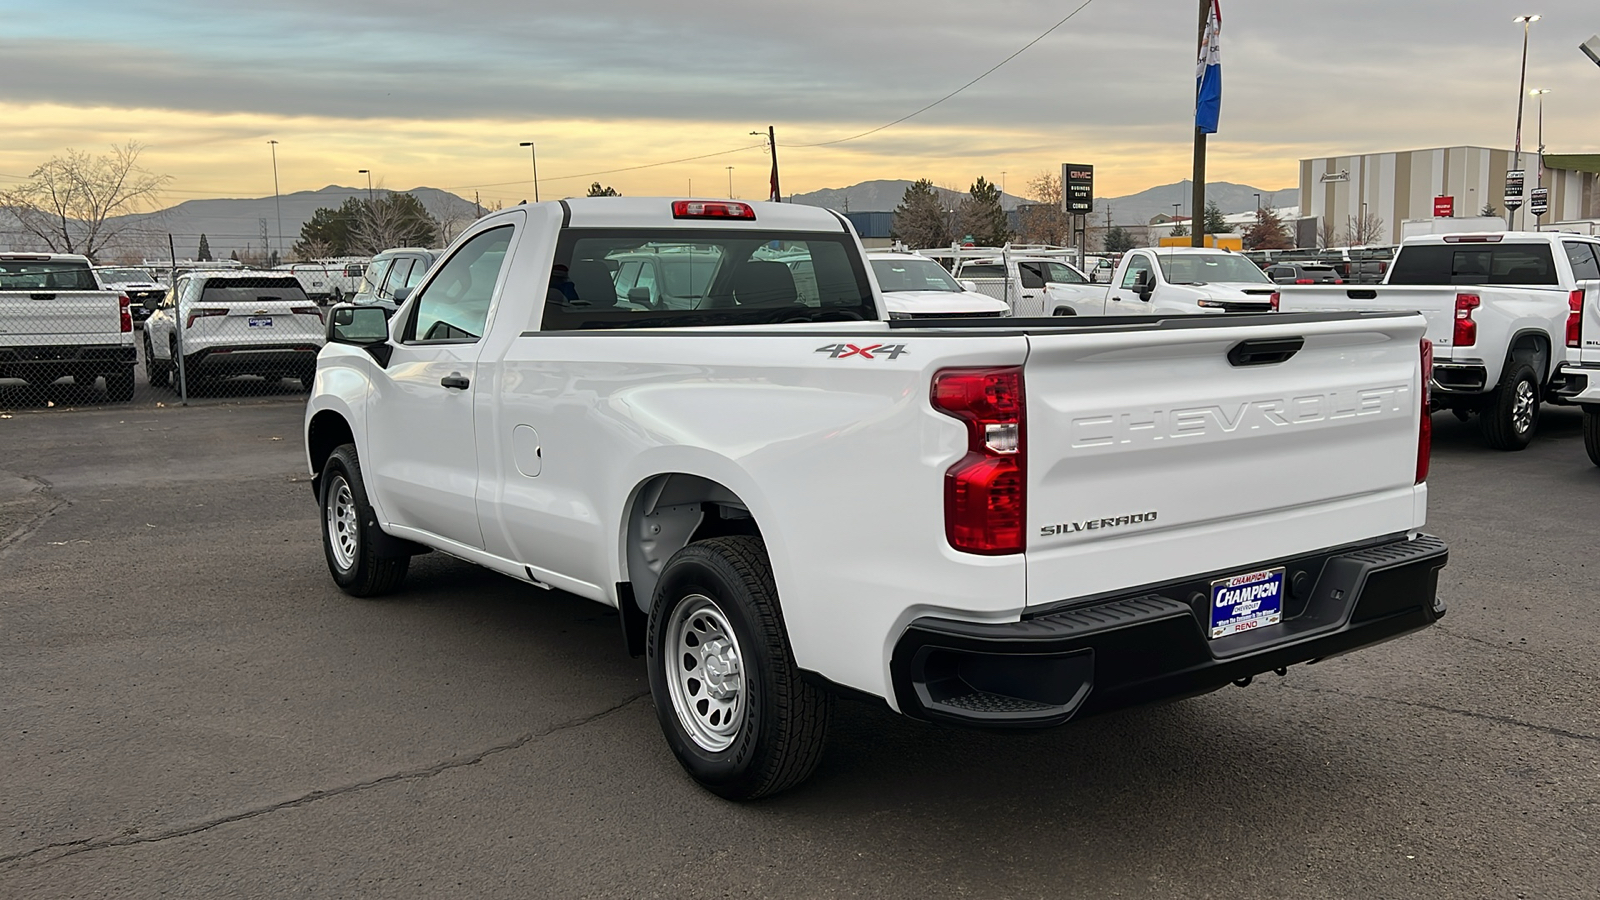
[{"x": 1303, "y": 273}]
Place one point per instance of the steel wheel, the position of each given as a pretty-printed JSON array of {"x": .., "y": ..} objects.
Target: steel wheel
[
  {"x": 705, "y": 673},
  {"x": 1522, "y": 407},
  {"x": 344, "y": 540}
]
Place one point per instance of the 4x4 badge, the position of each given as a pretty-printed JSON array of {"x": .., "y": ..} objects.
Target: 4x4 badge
[{"x": 871, "y": 351}]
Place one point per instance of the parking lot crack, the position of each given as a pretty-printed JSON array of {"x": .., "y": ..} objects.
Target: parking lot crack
[
  {"x": 1471, "y": 714},
  {"x": 49, "y": 853},
  {"x": 32, "y": 499}
]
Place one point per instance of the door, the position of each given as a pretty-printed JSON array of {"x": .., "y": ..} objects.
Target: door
[
  {"x": 422, "y": 450},
  {"x": 1124, "y": 299},
  {"x": 1030, "y": 278},
  {"x": 1065, "y": 286},
  {"x": 1585, "y": 259}
]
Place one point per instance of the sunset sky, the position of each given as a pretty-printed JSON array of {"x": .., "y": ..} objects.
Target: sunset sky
[{"x": 440, "y": 93}]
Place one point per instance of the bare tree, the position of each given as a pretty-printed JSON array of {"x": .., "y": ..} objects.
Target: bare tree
[
  {"x": 394, "y": 220},
  {"x": 1045, "y": 222},
  {"x": 1326, "y": 235},
  {"x": 1365, "y": 230},
  {"x": 77, "y": 203}
]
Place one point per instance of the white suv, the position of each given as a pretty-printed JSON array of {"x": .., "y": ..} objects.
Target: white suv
[{"x": 234, "y": 323}]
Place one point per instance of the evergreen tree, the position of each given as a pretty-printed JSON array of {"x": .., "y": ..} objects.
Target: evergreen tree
[
  {"x": 233, "y": 255},
  {"x": 204, "y": 253},
  {"x": 1213, "y": 222},
  {"x": 1488, "y": 210},
  {"x": 1180, "y": 230},
  {"x": 1118, "y": 240},
  {"x": 920, "y": 220},
  {"x": 982, "y": 216},
  {"x": 595, "y": 190}
]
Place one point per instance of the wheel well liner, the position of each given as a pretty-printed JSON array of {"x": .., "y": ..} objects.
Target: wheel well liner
[
  {"x": 1534, "y": 347},
  {"x": 327, "y": 431},
  {"x": 667, "y": 513}
]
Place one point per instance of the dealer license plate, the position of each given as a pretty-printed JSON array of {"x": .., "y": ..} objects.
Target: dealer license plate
[
  {"x": 1245, "y": 602},
  {"x": 260, "y": 322}
]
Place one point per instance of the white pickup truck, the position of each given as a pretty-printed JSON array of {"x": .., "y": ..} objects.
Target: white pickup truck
[
  {"x": 1503, "y": 313},
  {"x": 55, "y": 321},
  {"x": 1176, "y": 281},
  {"x": 784, "y": 493}
]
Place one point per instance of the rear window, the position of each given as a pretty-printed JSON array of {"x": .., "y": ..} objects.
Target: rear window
[
  {"x": 666, "y": 278},
  {"x": 1530, "y": 264},
  {"x": 54, "y": 275},
  {"x": 246, "y": 290}
]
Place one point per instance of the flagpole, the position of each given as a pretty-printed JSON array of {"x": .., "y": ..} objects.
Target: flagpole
[{"x": 1197, "y": 201}]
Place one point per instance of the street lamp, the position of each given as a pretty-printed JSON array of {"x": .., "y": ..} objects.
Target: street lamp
[
  {"x": 1258, "y": 203},
  {"x": 1522, "y": 86},
  {"x": 730, "y": 182},
  {"x": 1539, "y": 179},
  {"x": 275, "y": 202},
  {"x": 368, "y": 173},
  {"x": 533, "y": 156}
]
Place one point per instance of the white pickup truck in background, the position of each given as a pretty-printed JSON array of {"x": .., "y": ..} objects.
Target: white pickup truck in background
[
  {"x": 56, "y": 321},
  {"x": 1177, "y": 281},
  {"x": 1503, "y": 313},
  {"x": 784, "y": 493},
  {"x": 1031, "y": 283}
]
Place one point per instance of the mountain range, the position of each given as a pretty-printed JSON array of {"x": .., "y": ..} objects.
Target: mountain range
[{"x": 1132, "y": 209}]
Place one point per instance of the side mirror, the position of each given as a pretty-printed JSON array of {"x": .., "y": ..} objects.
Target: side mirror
[
  {"x": 366, "y": 327},
  {"x": 150, "y": 303},
  {"x": 1143, "y": 284},
  {"x": 969, "y": 285},
  {"x": 639, "y": 295},
  {"x": 400, "y": 294}
]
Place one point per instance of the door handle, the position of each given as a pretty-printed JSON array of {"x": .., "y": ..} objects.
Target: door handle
[{"x": 456, "y": 380}]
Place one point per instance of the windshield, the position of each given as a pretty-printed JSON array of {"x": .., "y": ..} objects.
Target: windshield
[
  {"x": 1209, "y": 268},
  {"x": 123, "y": 276},
  {"x": 17, "y": 274},
  {"x": 913, "y": 275},
  {"x": 637, "y": 277},
  {"x": 251, "y": 290}
]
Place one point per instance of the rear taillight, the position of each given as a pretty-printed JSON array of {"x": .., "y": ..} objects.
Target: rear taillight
[
  {"x": 1425, "y": 433},
  {"x": 985, "y": 493},
  {"x": 1274, "y": 300},
  {"x": 711, "y": 209},
  {"x": 1466, "y": 331},
  {"x": 1575, "y": 319},
  {"x": 202, "y": 314},
  {"x": 307, "y": 311},
  {"x": 1304, "y": 281},
  {"x": 123, "y": 306},
  {"x": 1338, "y": 280}
]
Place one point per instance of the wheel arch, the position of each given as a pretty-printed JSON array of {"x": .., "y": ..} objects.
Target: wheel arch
[
  {"x": 1533, "y": 346},
  {"x": 664, "y": 513},
  {"x": 326, "y": 430}
]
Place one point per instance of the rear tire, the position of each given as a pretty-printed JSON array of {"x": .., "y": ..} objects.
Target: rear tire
[
  {"x": 308, "y": 377},
  {"x": 159, "y": 374},
  {"x": 119, "y": 385},
  {"x": 1591, "y": 433},
  {"x": 1511, "y": 416},
  {"x": 729, "y": 696},
  {"x": 351, "y": 537}
]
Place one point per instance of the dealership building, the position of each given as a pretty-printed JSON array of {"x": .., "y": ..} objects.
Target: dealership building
[{"x": 1413, "y": 184}]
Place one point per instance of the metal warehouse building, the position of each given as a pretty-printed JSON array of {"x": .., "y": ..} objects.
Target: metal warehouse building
[{"x": 1403, "y": 185}]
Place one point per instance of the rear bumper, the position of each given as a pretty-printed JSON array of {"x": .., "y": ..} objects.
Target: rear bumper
[
  {"x": 1125, "y": 651},
  {"x": 25, "y": 361},
  {"x": 1576, "y": 384},
  {"x": 285, "y": 359},
  {"x": 1458, "y": 378}
]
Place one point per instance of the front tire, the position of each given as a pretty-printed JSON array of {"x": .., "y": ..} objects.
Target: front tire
[
  {"x": 729, "y": 696},
  {"x": 1512, "y": 414},
  {"x": 351, "y": 539}
]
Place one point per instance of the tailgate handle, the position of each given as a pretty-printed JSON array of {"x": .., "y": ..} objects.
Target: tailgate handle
[
  {"x": 1264, "y": 352},
  {"x": 1361, "y": 295},
  {"x": 41, "y": 296}
]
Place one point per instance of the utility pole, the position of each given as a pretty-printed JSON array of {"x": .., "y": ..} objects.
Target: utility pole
[
  {"x": 773, "y": 194},
  {"x": 730, "y": 182},
  {"x": 368, "y": 173},
  {"x": 275, "y": 202}
]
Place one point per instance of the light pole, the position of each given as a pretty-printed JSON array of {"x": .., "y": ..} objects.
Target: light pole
[
  {"x": 1539, "y": 179},
  {"x": 1258, "y": 203},
  {"x": 275, "y": 202},
  {"x": 368, "y": 173},
  {"x": 533, "y": 156},
  {"x": 730, "y": 182},
  {"x": 1522, "y": 85}
]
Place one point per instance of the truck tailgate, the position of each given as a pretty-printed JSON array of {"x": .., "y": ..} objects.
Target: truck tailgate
[
  {"x": 1161, "y": 453},
  {"x": 1437, "y": 304},
  {"x": 50, "y": 313}
]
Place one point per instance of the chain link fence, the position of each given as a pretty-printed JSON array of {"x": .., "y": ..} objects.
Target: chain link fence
[{"x": 72, "y": 338}]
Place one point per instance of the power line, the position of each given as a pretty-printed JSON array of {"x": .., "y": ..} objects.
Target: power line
[
  {"x": 958, "y": 90},
  {"x": 670, "y": 162}
]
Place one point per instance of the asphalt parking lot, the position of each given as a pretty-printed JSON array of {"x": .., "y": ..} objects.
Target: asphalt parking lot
[{"x": 191, "y": 709}]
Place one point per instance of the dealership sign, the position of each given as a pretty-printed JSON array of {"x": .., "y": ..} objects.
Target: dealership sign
[
  {"x": 1514, "y": 179},
  {"x": 1539, "y": 201},
  {"x": 1444, "y": 207},
  {"x": 1077, "y": 189}
]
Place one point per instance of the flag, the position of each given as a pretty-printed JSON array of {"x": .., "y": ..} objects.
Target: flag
[{"x": 1208, "y": 73}]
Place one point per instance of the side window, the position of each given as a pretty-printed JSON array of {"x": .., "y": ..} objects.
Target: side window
[
  {"x": 1140, "y": 263},
  {"x": 1584, "y": 264},
  {"x": 454, "y": 306},
  {"x": 1059, "y": 274},
  {"x": 628, "y": 276},
  {"x": 397, "y": 277},
  {"x": 171, "y": 300},
  {"x": 373, "y": 279},
  {"x": 419, "y": 268},
  {"x": 1032, "y": 274}
]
